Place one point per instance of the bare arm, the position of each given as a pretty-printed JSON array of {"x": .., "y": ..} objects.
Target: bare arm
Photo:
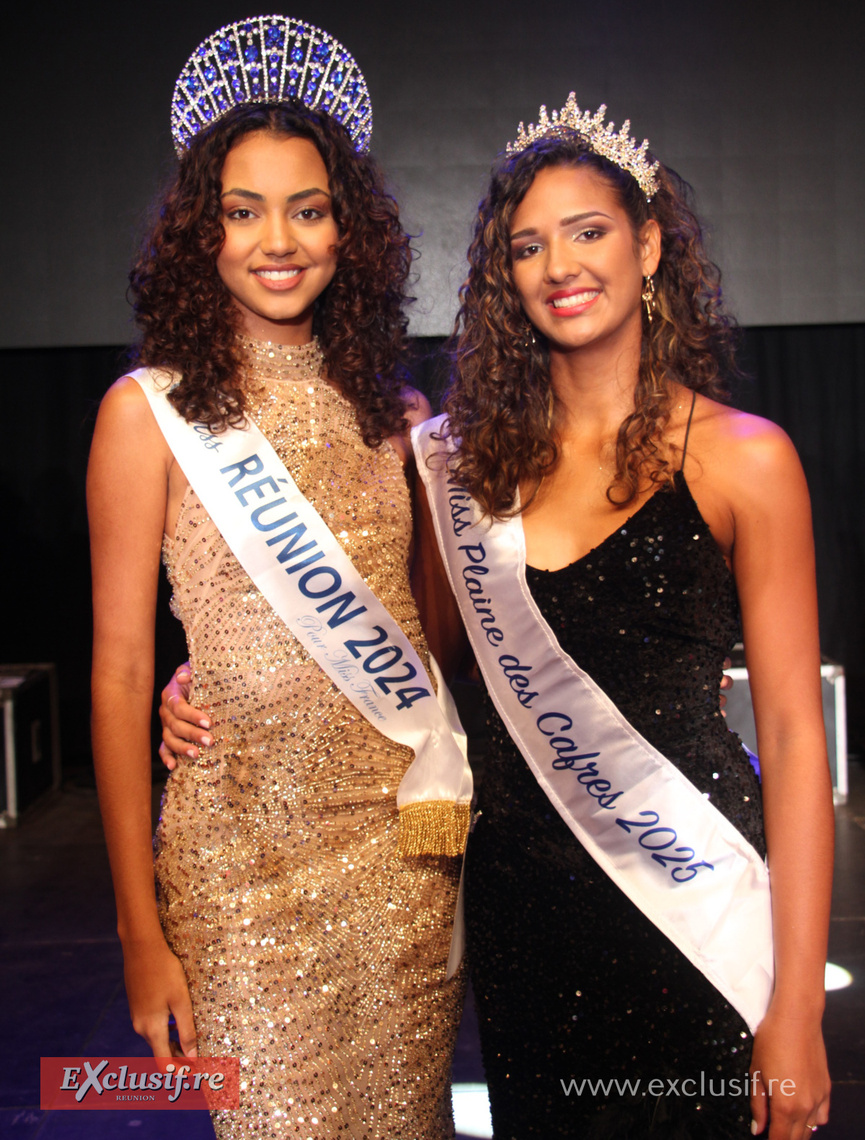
[
  {"x": 439, "y": 613},
  {"x": 773, "y": 561},
  {"x": 127, "y": 494}
]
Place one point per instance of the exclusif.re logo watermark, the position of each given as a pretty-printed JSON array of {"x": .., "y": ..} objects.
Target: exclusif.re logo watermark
[{"x": 140, "y": 1082}]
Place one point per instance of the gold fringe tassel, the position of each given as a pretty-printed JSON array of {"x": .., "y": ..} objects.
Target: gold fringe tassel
[{"x": 433, "y": 827}]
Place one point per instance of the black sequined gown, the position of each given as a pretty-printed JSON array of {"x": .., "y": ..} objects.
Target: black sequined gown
[{"x": 572, "y": 982}]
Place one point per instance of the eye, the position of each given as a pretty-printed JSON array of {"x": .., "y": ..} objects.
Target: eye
[
  {"x": 525, "y": 251},
  {"x": 592, "y": 233},
  {"x": 239, "y": 213},
  {"x": 310, "y": 214}
]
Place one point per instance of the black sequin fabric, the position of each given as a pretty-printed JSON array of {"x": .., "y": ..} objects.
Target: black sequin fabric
[{"x": 573, "y": 984}]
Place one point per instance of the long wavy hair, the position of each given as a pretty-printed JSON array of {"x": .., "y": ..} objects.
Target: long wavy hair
[
  {"x": 189, "y": 323},
  {"x": 500, "y": 404}
]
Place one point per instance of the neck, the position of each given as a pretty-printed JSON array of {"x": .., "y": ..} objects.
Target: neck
[
  {"x": 292, "y": 331},
  {"x": 594, "y": 387}
]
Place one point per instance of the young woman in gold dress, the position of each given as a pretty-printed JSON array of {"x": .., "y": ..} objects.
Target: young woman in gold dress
[{"x": 288, "y": 931}]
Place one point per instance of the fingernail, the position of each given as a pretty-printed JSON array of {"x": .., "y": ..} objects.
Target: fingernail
[
  {"x": 204, "y": 723},
  {"x": 755, "y": 1127},
  {"x": 207, "y": 741},
  {"x": 192, "y": 753}
]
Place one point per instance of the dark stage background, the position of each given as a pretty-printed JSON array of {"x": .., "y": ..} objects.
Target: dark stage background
[{"x": 759, "y": 104}]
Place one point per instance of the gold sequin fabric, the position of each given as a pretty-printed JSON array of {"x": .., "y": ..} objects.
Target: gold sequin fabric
[{"x": 313, "y": 952}]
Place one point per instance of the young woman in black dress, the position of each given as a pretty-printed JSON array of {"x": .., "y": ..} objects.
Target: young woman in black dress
[{"x": 590, "y": 372}]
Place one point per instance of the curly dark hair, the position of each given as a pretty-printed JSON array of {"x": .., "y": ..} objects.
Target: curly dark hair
[
  {"x": 186, "y": 314},
  {"x": 500, "y": 399}
]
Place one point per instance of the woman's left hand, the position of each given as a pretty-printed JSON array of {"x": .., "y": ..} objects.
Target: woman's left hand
[{"x": 789, "y": 1078}]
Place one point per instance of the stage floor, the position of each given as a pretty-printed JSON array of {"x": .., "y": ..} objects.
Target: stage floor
[{"x": 61, "y": 972}]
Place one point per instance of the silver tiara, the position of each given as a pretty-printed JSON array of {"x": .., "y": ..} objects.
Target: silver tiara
[
  {"x": 267, "y": 59},
  {"x": 599, "y": 138}
]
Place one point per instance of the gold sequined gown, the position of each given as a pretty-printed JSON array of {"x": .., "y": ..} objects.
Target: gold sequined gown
[{"x": 313, "y": 952}]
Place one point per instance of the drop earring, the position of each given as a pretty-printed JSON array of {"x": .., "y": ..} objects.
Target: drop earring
[{"x": 648, "y": 297}]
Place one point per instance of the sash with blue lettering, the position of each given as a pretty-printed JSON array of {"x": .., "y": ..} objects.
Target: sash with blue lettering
[
  {"x": 658, "y": 838},
  {"x": 294, "y": 559}
]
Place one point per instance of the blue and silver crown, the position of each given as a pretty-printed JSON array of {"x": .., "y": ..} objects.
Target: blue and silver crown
[{"x": 268, "y": 59}]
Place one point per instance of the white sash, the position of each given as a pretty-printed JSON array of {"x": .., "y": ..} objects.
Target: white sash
[
  {"x": 658, "y": 838},
  {"x": 298, "y": 565}
]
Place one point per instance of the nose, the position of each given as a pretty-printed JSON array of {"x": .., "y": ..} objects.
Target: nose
[
  {"x": 562, "y": 262},
  {"x": 278, "y": 238}
]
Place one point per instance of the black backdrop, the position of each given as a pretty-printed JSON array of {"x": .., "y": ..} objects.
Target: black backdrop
[
  {"x": 759, "y": 103},
  {"x": 808, "y": 379}
]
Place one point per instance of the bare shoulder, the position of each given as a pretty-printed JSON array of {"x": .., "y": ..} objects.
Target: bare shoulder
[
  {"x": 125, "y": 403},
  {"x": 743, "y": 449},
  {"x": 126, "y": 426},
  {"x": 417, "y": 406}
]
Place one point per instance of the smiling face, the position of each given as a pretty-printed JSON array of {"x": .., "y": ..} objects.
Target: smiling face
[
  {"x": 280, "y": 234},
  {"x": 576, "y": 263}
]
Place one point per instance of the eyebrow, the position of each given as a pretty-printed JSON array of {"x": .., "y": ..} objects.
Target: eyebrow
[
  {"x": 239, "y": 192},
  {"x": 569, "y": 221}
]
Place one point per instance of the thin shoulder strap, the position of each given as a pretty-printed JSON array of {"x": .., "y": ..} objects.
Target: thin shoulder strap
[{"x": 688, "y": 429}]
